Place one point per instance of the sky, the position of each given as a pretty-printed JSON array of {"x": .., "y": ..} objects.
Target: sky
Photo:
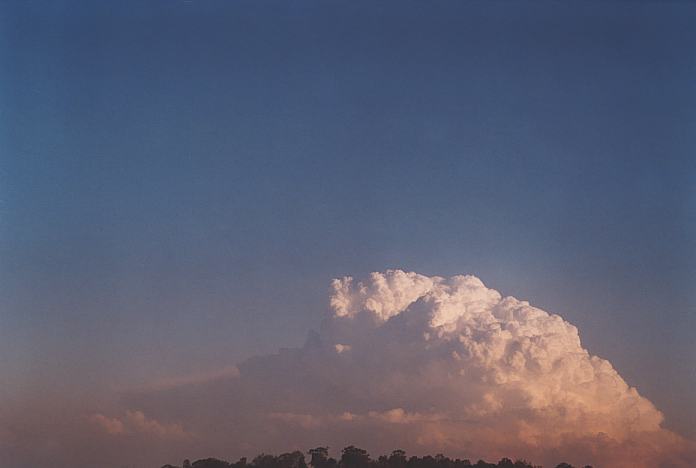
[{"x": 180, "y": 181}]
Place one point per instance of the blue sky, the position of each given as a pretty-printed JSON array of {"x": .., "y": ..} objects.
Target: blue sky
[{"x": 180, "y": 181}]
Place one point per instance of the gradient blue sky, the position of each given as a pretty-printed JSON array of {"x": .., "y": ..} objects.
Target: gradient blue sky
[{"x": 179, "y": 181}]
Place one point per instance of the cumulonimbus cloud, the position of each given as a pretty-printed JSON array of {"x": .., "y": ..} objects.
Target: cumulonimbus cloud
[{"x": 433, "y": 364}]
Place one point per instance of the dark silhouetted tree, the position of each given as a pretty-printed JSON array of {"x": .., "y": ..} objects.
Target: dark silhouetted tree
[
  {"x": 354, "y": 457},
  {"x": 319, "y": 457},
  {"x": 397, "y": 459},
  {"x": 523, "y": 464},
  {"x": 210, "y": 463},
  {"x": 265, "y": 461},
  {"x": 292, "y": 460}
]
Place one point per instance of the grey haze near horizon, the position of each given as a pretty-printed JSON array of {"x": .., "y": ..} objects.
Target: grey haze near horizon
[{"x": 179, "y": 181}]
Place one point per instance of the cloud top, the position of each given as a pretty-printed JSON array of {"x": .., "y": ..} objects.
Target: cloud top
[
  {"x": 525, "y": 357},
  {"x": 498, "y": 366}
]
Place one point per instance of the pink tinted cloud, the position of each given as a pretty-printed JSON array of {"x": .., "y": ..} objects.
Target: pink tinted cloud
[{"x": 135, "y": 422}]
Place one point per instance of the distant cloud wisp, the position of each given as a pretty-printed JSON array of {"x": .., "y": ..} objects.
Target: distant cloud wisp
[{"x": 135, "y": 422}]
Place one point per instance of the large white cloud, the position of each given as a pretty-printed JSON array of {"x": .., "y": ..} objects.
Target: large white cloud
[{"x": 431, "y": 364}]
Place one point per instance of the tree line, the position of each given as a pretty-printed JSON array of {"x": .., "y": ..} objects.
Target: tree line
[{"x": 354, "y": 457}]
